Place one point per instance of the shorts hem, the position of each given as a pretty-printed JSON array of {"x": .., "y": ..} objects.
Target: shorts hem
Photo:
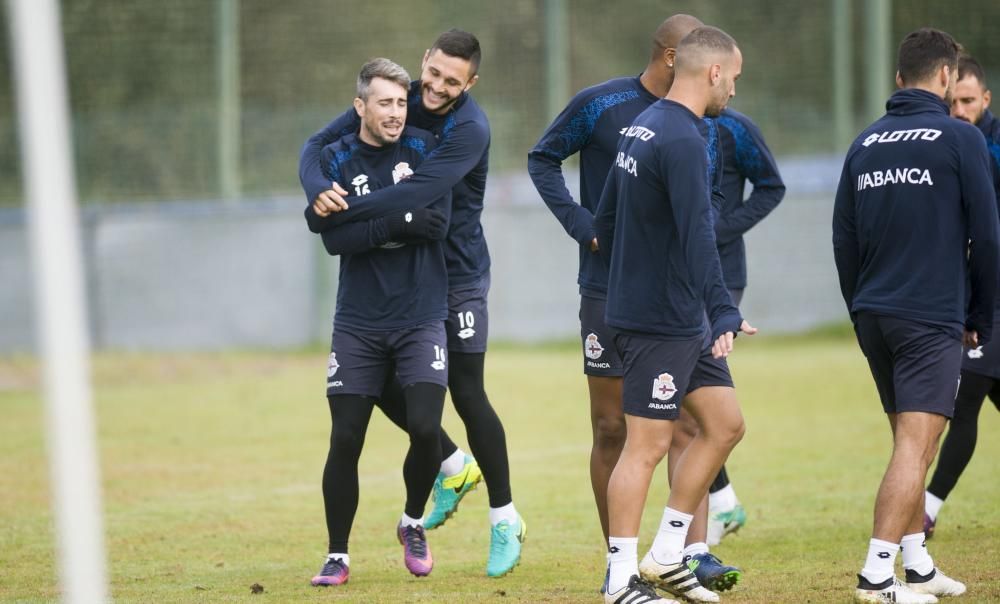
[{"x": 652, "y": 415}]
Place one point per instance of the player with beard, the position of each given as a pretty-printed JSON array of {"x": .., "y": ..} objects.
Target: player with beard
[
  {"x": 654, "y": 226},
  {"x": 914, "y": 220},
  {"x": 981, "y": 365},
  {"x": 592, "y": 124},
  {"x": 439, "y": 102},
  {"x": 389, "y": 318}
]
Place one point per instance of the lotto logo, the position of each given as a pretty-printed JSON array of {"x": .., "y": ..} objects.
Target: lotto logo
[
  {"x": 976, "y": 353},
  {"x": 465, "y": 322}
]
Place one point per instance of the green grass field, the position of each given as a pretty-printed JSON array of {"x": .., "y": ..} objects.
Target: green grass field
[{"x": 211, "y": 468}]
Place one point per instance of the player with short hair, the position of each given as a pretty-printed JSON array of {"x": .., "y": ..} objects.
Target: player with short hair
[
  {"x": 439, "y": 102},
  {"x": 389, "y": 318},
  {"x": 591, "y": 125},
  {"x": 654, "y": 226},
  {"x": 915, "y": 216},
  {"x": 981, "y": 365}
]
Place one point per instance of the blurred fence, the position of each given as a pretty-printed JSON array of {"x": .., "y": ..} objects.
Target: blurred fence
[
  {"x": 211, "y": 100},
  {"x": 212, "y": 275}
]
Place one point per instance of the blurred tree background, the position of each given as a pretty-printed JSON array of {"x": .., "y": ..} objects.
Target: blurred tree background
[{"x": 157, "y": 89}]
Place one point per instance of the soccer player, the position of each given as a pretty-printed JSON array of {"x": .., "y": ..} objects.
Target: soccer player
[
  {"x": 654, "y": 226},
  {"x": 439, "y": 102},
  {"x": 915, "y": 216},
  {"x": 981, "y": 365},
  {"x": 390, "y": 317},
  {"x": 591, "y": 125}
]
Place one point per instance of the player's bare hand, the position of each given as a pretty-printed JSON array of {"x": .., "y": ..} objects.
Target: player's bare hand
[
  {"x": 723, "y": 345},
  {"x": 971, "y": 339},
  {"x": 747, "y": 328},
  {"x": 330, "y": 201},
  {"x": 593, "y": 245}
]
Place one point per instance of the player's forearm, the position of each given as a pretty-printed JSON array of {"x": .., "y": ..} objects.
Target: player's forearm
[
  {"x": 547, "y": 176},
  {"x": 355, "y": 238},
  {"x": 761, "y": 202}
]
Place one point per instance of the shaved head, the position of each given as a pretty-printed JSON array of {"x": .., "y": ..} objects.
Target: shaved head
[
  {"x": 706, "y": 67},
  {"x": 703, "y": 47},
  {"x": 670, "y": 33}
]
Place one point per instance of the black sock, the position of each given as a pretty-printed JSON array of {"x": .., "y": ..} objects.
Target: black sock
[
  {"x": 424, "y": 404},
  {"x": 393, "y": 406},
  {"x": 960, "y": 443},
  {"x": 721, "y": 481},
  {"x": 350, "y": 414},
  {"x": 482, "y": 426}
]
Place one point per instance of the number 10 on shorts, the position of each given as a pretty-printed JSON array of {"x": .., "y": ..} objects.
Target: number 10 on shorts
[
  {"x": 465, "y": 322},
  {"x": 439, "y": 357}
]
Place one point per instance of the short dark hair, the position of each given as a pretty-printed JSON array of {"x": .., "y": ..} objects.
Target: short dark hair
[
  {"x": 970, "y": 67},
  {"x": 701, "y": 41},
  {"x": 461, "y": 44},
  {"x": 923, "y": 52}
]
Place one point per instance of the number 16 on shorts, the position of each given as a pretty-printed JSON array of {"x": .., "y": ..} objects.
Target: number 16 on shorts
[{"x": 439, "y": 358}]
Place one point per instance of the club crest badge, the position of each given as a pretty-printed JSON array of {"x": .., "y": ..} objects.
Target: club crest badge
[
  {"x": 402, "y": 171},
  {"x": 663, "y": 387},
  {"x": 332, "y": 365},
  {"x": 592, "y": 347}
]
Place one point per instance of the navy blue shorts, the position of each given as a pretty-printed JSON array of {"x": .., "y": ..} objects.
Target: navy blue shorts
[
  {"x": 600, "y": 356},
  {"x": 468, "y": 319},
  {"x": 916, "y": 366},
  {"x": 709, "y": 371},
  {"x": 657, "y": 373},
  {"x": 360, "y": 360}
]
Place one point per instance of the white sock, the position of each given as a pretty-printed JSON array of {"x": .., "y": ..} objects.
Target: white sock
[
  {"x": 668, "y": 546},
  {"x": 454, "y": 463},
  {"x": 623, "y": 562},
  {"x": 932, "y": 504},
  {"x": 723, "y": 500},
  {"x": 880, "y": 564},
  {"x": 506, "y": 512},
  {"x": 407, "y": 521},
  {"x": 915, "y": 556},
  {"x": 694, "y": 549},
  {"x": 342, "y": 557}
]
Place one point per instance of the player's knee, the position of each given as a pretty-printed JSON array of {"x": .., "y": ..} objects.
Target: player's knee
[
  {"x": 727, "y": 435},
  {"x": 609, "y": 432},
  {"x": 424, "y": 432},
  {"x": 346, "y": 444},
  {"x": 649, "y": 451},
  {"x": 467, "y": 396}
]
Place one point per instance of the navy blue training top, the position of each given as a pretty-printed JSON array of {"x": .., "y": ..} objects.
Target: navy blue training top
[
  {"x": 746, "y": 157},
  {"x": 458, "y": 164},
  {"x": 915, "y": 189},
  {"x": 654, "y": 223},
  {"x": 592, "y": 124},
  {"x": 394, "y": 286}
]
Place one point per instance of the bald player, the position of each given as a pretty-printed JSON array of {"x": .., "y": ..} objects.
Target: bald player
[
  {"x": 654, "y": 225},
  {"x": 592, "y": 124}
]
